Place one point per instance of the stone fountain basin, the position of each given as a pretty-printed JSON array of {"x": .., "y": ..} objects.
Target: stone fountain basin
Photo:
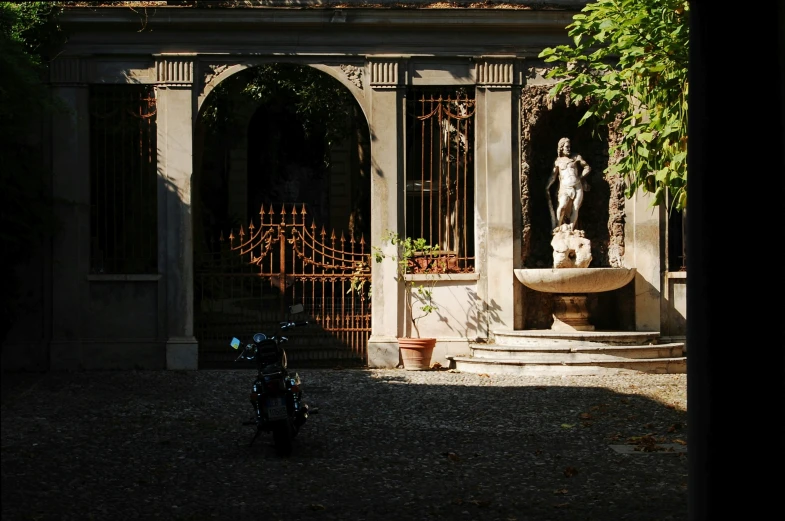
[{"x": 574, "y": 280}]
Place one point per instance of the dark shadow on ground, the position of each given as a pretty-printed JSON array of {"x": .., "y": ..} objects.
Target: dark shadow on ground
[{"x": 171, "y": 445}]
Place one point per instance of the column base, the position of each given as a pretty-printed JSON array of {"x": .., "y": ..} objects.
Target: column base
[
  {"x": 182, "y": 354},
  {"x": 383, "y": 352}
]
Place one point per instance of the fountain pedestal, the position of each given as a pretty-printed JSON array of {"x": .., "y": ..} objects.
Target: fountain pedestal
[
  {"x": 569, "y": 287},
  {"x": 570, "y": 313},
  {"x": 572, "y": 346}
]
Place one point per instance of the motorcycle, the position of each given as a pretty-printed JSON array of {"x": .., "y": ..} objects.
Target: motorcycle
[{"x": 276, "y": 395}]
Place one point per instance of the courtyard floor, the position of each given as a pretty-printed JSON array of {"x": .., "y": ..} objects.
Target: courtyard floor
[{"x": 386, "y": 444}]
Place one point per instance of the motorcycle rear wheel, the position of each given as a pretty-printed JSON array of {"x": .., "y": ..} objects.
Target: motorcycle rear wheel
[{"x": 282, "y": 439}]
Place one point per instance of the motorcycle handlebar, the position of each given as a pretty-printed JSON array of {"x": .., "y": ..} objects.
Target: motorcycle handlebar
[
  {"x": 287, "y": 325},
  {"x": 248, "y": 347},
  {"x": 280, "y": 339}
]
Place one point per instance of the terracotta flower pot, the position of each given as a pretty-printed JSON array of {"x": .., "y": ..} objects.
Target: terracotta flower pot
[{"x": 416, "y": 353}]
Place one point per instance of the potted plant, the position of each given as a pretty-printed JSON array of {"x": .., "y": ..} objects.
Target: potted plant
[{"x": 415, "y": 256}]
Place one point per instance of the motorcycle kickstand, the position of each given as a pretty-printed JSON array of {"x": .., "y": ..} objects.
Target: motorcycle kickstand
[{"x": 258, "y": 431}]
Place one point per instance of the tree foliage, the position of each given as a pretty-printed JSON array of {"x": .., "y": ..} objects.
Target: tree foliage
[
  {"x": 629, "y": 58},
  {"x": 28, "y": 34}
]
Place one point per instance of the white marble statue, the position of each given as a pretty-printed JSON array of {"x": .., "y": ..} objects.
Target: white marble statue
[{"x": 571, "y": 170}]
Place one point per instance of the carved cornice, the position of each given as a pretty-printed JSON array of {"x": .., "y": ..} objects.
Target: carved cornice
[
  {"x": 68, "y": 70},
  {"x": 175, "y": 70},
  {"x": 354, "y": 73},
  {"x": 385, "y": 73},
  {"x": 209, "y": 72},
  {"x": 495, "y": 72},
  {"x": 536, "y": 72}
]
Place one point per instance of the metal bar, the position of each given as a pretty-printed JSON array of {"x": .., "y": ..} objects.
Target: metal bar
[
  {"x": 118, "y": 100},
  {"x": 422, "y": 168},
  {"x": 104, "y": 243},
  {"x": 466, "y": 224}
]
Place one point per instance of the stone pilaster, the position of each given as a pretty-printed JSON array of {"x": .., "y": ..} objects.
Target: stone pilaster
[
  {"x": 497, "y": 197},
  {"x": 387, "y": 170},
  {"x": 71, "y": 190},
  {"x": 642, "y": 252},
  {"x": 175, "y": 120}
]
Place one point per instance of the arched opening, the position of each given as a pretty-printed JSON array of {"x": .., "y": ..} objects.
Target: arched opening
[{"x": 282, "y": 164}]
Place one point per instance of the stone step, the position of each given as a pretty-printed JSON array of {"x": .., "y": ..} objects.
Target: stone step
[
  {"x": 560, "y": 366},
  {"x": 576, "y": 351},
  {"x": 541, "y": 337}
]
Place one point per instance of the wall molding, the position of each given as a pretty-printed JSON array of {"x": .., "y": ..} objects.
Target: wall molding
[
  {"x": 385, "y": 72},
  {"x": 175, "y": 70},
  {"x": 495, "y": 72},
  {"x": 68, "y": 70}
]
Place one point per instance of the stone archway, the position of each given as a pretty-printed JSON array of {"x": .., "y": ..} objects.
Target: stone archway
[
  {"x": 261, "y": 153},
  {"x": 354, "y": 220}
]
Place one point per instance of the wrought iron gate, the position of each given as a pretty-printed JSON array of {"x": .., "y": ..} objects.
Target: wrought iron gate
[{"x": 246, "y": 285}]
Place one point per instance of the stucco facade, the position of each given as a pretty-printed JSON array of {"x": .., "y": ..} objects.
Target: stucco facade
[{"x": 99, "y": 320}]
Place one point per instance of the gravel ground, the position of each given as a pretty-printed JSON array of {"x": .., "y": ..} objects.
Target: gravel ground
[{"x": 386, "y": 444}]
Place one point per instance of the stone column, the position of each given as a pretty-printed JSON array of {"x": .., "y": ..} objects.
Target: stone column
[
  {"x": 387, "y": 170},
  {"x": 642, "y": 251},
  {"x": 497, "y": 197},
  {"x": 71, "y": 189},
  {"x": 176, "y": 109}
]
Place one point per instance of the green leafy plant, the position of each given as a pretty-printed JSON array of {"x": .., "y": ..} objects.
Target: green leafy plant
[
  {"x": 415, "y": 256},
  {"x": 630, "y": 58}
]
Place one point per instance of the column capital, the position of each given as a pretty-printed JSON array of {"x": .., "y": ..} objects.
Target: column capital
[
  {"x": 174, "y": 69},
  {"x": 385, "y": 71},
  {"x": 496, "y": 71},
  {"x": 68, "y": 70}
]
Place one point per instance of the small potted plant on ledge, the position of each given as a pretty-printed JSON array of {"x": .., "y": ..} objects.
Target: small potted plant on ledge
[{"x": 415, "y": 256}]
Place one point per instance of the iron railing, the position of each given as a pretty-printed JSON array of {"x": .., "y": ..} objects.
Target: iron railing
[
  {"x": 246, "y": 284},
  {"x": 440, "y": 173},
  {"x": 123, "y": 179}
]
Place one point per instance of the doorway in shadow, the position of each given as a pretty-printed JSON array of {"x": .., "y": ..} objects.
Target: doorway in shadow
[{"x": 281, "y": 155}]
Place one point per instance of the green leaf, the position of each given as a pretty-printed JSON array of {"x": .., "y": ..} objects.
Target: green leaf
[
  {"x": 631, "y": 60},
  {"x": 587, "y": 115}
]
